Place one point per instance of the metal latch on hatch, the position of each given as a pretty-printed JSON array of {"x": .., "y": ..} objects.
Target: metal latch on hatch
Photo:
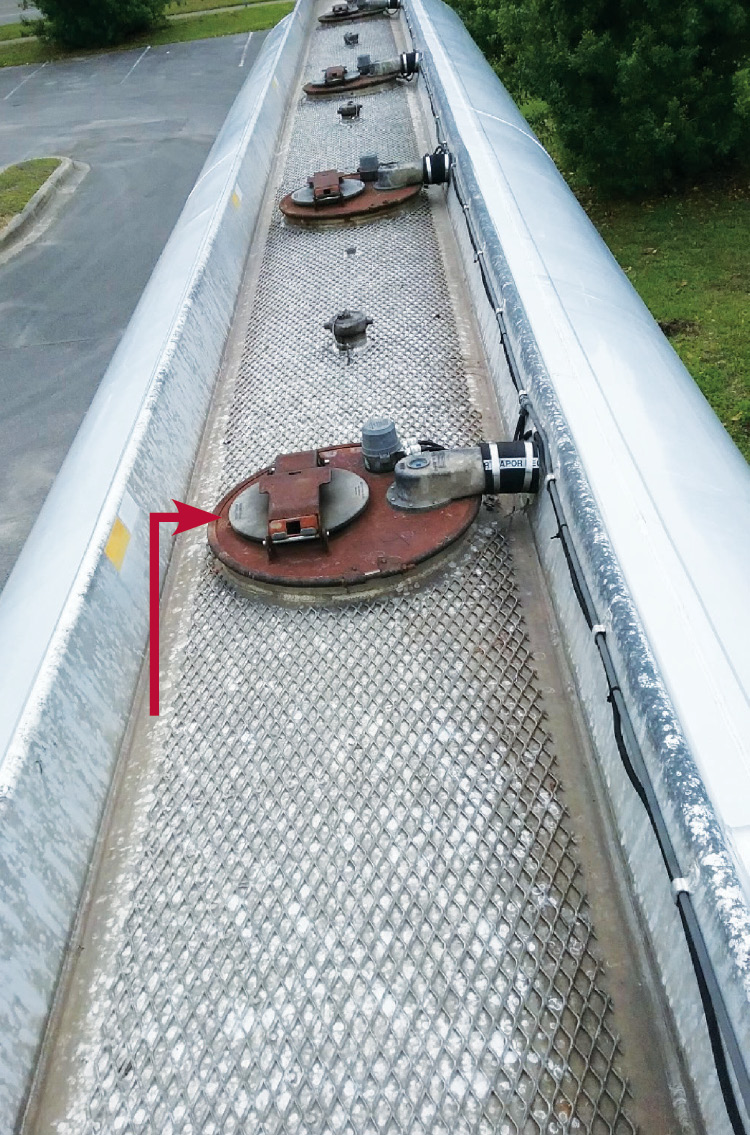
[
  {"x": 303, "y": 497},
  {"x": 334, "y": 75},
  {"x": 325, "y": 185},
  {"x": 293, "y": 491}
]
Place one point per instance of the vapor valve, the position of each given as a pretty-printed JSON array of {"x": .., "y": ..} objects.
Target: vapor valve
[
  {"x": 429, "y": 480},
  {"x": 432, "y": 169}
]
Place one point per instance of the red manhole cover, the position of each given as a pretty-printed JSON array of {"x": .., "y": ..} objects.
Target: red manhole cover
[
  {"x": 368, "y": 203},
  {"x": 344, "y": 17},
  {"x": 360, "y": 83},
  {"x": 383, "y": 542}
]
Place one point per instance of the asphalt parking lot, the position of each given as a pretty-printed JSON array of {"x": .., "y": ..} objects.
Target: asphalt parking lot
[{"x": 143, "y": 122}]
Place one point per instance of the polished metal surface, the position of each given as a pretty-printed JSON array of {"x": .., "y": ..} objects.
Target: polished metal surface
[
  {"x": 343, "y": 894},
  {"x": 664, "y": 548},
  {"x": 680, "y": 534},
  {"x": 73, "y": 620}
]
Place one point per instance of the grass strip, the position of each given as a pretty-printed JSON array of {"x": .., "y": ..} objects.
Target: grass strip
[
  {"x": 182, "y": 7},
  {"x": 179, "y": 8},
  {"x": 17, "y": 52},
  {"x": 19, "y": 183},
  {"x": 11, "y": 31},
  {"x": 687, "y": 256},
  {"x": 253, "y": 18}
]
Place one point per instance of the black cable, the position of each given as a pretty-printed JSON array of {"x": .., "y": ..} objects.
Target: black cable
[
  {"x": 711, "y": 995},
  {"x": 718, "y": 1022},
  {"x": 709, "y": 989},
  {"x": 720, "y": 1028}
]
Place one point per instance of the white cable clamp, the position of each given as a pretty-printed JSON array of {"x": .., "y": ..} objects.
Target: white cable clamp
[
  {"x": 410, "y": 446},
  {"x": 598, "y": 628},
  {"x": 550, "y": 477},
  {"x": 531, "y": 463},
  {"x": 680, "y": 886},
  {"x": 522, "y": 394}
]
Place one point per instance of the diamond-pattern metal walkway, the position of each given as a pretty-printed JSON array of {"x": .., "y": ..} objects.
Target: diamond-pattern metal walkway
[{"x": 347, "y": 896}]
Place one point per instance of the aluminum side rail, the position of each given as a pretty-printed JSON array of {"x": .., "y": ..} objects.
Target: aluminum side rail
[
  {"x": 73, "y": 618},
  {"x": 656, "y": 496}
]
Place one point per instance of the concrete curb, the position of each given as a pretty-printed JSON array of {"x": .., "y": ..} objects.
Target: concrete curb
[{"x": 17, "y": 226}]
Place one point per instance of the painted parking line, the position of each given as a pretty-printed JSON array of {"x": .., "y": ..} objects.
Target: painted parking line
[
  {"x": 244, "y": 50},
  {"x": 132, "y": 69},
  {"x": 19, "y": 85}
]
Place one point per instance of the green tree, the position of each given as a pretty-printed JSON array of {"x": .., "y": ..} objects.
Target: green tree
[
  {"x": 644, "y": 92},
  {"x": 483, "y": 25},
  {"x": 96, "y": 23}
]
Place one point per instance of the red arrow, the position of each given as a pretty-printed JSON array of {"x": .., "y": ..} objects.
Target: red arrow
[{"x": 187, "y": 517}]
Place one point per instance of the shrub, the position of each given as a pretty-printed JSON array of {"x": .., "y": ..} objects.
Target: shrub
[
  {"x": 97, "y": 23},
  {"x": 644, "y": 93}
]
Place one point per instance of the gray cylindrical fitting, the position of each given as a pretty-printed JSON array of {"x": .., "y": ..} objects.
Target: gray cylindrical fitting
[
  {"x": 380, "y": 445},
  {"x": 368, "y": 167},
  {"x": 393, "y": 175},
  {"x": 384, "y": 67}
]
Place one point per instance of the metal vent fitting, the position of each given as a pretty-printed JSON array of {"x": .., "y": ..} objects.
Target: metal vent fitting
[
  {"x": 350, "y": 109},
  {"x": 349, "y": 329},
  {"x": 430, "y": 480}
]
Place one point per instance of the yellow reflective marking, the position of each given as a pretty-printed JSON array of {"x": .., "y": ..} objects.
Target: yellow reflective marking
[
  {"x": 117, "y": 545},
  {"x": 236, "y": 199}
]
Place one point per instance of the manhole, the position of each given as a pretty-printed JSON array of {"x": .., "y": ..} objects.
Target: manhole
[
  {"x": 343, "y": 13},
  {"x": 327, "y": 525}
]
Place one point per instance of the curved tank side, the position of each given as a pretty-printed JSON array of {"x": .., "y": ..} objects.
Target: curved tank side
[
  {"x": 656, "y": 495},
  {"x": 672, "y": 489}
]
